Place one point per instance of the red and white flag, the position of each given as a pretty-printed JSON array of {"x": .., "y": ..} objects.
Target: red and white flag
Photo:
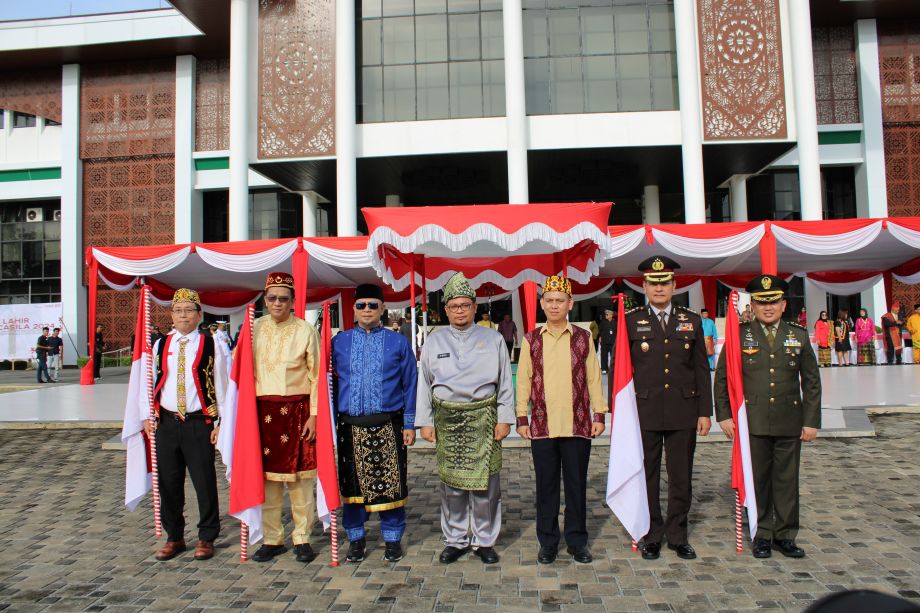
[
  {"x": 138, "y": 467},
  {"x": 327, "y": 485},
  {"x": 238, "y": 441},
  {"x": 742, "y": 471},
  {"x": 626, "y": 492}
]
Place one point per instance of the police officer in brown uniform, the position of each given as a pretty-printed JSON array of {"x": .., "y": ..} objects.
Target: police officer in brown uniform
[
  {"x": 782, "y": 393},
  {"x": 674, "y": 396}
]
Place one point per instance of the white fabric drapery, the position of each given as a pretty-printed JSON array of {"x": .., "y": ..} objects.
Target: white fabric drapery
[
  {"x": 142, "y": 268},
  {"x": 722, "y": 247},
  {"x": 831, "y": 244},
  {"x": 248, "y": 262}
]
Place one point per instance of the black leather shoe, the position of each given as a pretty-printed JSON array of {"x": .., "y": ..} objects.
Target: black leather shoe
[
  {"x": 547, "y": 555},
  {"x": 788, "y": 548},
  {"x": 393, "y": 552},
  {"x": 486, "y": 554},
  {"x": 452, "y": 554},
  {"x": 762, "y": 548},
  {"x": 651, "y": 551},
  {"x": 581, "y": 554},
  {"x": 356, "y": 551},
  {"x": 304, "y": 553},
  {"x": 267, "y": 552},
  {"x": 684, "y": 551}
]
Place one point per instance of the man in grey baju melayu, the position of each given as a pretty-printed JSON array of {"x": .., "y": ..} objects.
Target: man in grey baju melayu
[{"x": 466, "y": 407}]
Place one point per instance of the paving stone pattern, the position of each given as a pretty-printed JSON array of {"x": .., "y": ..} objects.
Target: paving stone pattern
[{"x": 67, "y": 544}]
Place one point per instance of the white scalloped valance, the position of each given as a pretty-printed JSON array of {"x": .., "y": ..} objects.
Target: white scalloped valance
[
  {"x": 249, "y": 262},
  {"x": 145, "y": 267},
  {"x": 722, "y": 247},
  {"x": 832, "y": 244}
]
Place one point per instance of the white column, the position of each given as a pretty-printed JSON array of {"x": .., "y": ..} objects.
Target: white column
[
  {"x": 239, "y": 119},
  {"x": 651, "y": 206},
  {"x": 185, "y": 145},
  {"x": 695, "y": 297},
  {"x": 310, "y": 205},
  {"x": 515, "y": 102},
  {"x": 806, "y": 116},
  {"x": 688, "y": 77},
  {"x": 73, "y": 294},
  {"x": 738, "y": 186},
  {"x": 815, "y": 302},
  {"x": 346, "y": 205},
  {"x": 871, "y": 192}
]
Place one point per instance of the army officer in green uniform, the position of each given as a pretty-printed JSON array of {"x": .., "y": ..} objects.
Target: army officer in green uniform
[{"x": 782, "y": 392}]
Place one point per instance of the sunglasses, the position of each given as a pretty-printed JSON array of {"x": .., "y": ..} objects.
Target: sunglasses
[
  {"x": 281, "y": 299},
  {"x": 367, "y": 305}
]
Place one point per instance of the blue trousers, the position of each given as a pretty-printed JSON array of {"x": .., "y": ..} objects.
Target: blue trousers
[{"x": 392, "y": 522}]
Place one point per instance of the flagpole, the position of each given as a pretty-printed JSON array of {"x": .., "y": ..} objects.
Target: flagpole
[
  {"x": 739, "y": 535},
  {"x": 151, "y": 440},
  {"x": 244, "y": 527}
]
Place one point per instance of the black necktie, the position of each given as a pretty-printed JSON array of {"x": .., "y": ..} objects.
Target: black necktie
[{"x": 663, "y": 316}]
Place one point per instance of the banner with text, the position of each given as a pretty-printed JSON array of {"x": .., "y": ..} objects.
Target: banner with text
[{"x": 21, "y": 325}]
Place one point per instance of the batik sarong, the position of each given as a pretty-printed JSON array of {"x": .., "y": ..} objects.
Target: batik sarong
[
  {"x": 372, "y": 461},
  {"x": 865, "y": 353},
  {"x": 467, "y": 451},
  {"x": 824, "y": 356}
]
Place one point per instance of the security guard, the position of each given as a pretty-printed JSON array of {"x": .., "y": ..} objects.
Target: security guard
[
  {"x": 674, "y": 396},
  {"x": 782, "y": 393}
]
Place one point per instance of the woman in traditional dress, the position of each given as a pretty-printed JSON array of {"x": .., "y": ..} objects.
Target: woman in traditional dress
[
  {"x": 824, "y": 335},
  {"x": 842, "y": 339},
  {"x": 865, "y": 339}
]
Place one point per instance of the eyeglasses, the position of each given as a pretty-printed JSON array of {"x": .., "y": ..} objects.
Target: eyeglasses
[
  {"x": 184, "y": 311},
  {"x": 367, "y": 305},
  {"x": 459, "y": 308},
  {"x": 280, "y": 299}
]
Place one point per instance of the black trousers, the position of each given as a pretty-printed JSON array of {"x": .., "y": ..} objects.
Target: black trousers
[
  {"x": 679, "y": 446},
  {"x": 571, "y": 455},
  {"x": 890, "y": 354},
  {"x": 182, "y": 445},
  {"x": 510, "y": 346},
  {"x": 775, "y": 460},
  {"x": 97, "y": 363},
  {"x": 606, "y": 356}
]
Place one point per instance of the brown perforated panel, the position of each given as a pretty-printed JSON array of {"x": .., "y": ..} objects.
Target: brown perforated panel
[
  {"x": 741, "y": 65},
  {"x": 212, "y": 105},
  {"x": 836, "y": 91},
  {"x": 296, "y": 78},
  {"x": 36, "y": 92}
]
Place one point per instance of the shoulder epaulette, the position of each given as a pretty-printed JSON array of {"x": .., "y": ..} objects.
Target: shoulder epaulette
[
  {"x": 634, "y": 309},
  {"x": 797, "y": 325},
  {"x": 683, "y": 308}
]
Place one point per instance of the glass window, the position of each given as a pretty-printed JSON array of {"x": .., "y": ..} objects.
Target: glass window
[
  {"x": 23, "y": 120},
  {"x": 597, "y": 30},
  {"x": 397, "y": 7},
  {"x": 431, "y": 38},
  {"x": 631, "y": 29},
  {"x": 664, "y": 81},
  {"x": 462, "y": 6},
  {"x": 493, "y": 37},
  {"x": 11, "y": 256},
  {"x": 433, "y": 99},
  {"x": 430, "y": 6},
  {"x": 464, "y": 37},
  {"x": 564, "y": 36},
  {"x": 52, "y": 259},
  {"x": 567, "y": 93},
  {"x": 536, "y": 78},
  {"x": 264, "y": 215},
  {"x": 600, "y": 84},
  {"x": 466, "y": 89},
  {"x": 32, "y": 230},
  {"x": 399, "y": 40},
  {"x": 32, "y": 259},
  {"x": 52, "y": 230},
  {"x": 633, "y": 76},
  {"x": 399, "y": 93},
  {"x": 371, "y": 95},
  {"x": 661, "y": 28},
  {"x": 11, "y": 231},
  {"x": 370, "y": 8},
  {"x": 370, "y": 42},
  {"x": 536, "y": 41},
  {"x": 493, "y": 88}
]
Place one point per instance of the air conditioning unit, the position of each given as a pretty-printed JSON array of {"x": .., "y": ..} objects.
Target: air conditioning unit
[
  {"x": 57, "y": 215},
  {"x": 34, "y": 214}
]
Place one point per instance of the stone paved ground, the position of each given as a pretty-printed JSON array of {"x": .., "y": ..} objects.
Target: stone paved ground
[{"x": 66, "y": 544}]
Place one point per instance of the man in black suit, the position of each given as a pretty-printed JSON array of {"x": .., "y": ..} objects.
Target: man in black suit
[
  {"x": 674, "y": 397},
  {"x": 608, "y": 338}
]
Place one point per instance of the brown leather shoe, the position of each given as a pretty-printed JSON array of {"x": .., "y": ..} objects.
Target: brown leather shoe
[
  {"x": 170, "y": 550},
  {"x": 204, "y": 550}
]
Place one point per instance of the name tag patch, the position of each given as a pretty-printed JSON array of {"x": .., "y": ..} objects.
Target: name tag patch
[
  {"x": 643, "y": 329},
  {"x": 443, "y": 355}
]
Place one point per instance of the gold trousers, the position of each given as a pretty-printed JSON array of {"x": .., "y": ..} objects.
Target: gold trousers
[{"x": 303, "y": 511}]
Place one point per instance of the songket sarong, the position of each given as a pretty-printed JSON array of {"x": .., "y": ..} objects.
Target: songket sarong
[
  {"x": 824, "y": 356},
  {"x": 865, "y": 353},
  {"x": 285, "y": 455},
  {"x": 467, "y": 452},
  {"x": 372, "y": 461}
]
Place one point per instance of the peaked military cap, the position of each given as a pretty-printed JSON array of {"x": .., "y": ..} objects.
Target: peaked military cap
[
  {"x": 767, "y": 288},
  {"x": 658, "y": 269}
]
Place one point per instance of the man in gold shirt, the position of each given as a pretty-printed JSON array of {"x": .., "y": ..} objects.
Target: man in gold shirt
[
  {"x": 560, "y": 379},
  {"x": 286, "y": 364}
]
